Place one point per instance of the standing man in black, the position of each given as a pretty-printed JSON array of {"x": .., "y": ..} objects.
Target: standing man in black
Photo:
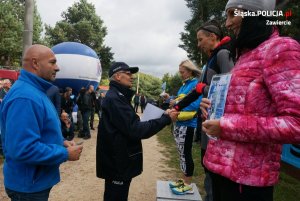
[
  {"x": 87, "y": 105},
  {"x": 119, "y": 155},
  {"x": 136, "y": 101},
  {"x": 93, "y": 95}
]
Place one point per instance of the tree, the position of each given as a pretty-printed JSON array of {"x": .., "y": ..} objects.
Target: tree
[
  {"x": 292, "y": 7},
  {"x": 11, "y": 31},
  {"x": 106, "y": 57},
  {"x": 149, "y": 85},
  {"x": 202, "y": 11},
  {"x": 81, "y": 24},
  {"x": 173, "y": 83}
]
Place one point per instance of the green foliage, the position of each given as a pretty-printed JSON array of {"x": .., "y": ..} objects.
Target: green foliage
[
  {"x": 287, "y": 188},
  {"x": 173, "y": 83},
  {"x": 205, "y": 10},
  {"x": 11, "y": 31},
  {"x": 202, "y": 11},
  {"x": 293, "y": 30},
  {"x": 81, "y": 24},
  {"x": 106, "y": 57},
  {"x": 149, "y": 85},
  {"x": 104, "y": 82}
]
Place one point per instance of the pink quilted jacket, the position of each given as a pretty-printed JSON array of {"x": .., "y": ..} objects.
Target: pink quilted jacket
[{"x": 262, "y": 112}]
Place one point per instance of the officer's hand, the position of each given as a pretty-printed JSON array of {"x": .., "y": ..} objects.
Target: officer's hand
[{"x": 173, "y": 114}]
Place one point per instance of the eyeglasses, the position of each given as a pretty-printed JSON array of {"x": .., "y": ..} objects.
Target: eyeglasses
[{"x": 126, "y": 72}]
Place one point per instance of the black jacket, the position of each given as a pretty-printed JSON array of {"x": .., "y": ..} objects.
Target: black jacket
[{"x": 119, "y": 154}]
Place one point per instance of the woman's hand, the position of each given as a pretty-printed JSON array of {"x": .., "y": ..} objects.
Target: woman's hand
[
  {"x": 212, "y": 128},
  {"x": 204, "y": 105},
  {"x": 172, "y": 103}
]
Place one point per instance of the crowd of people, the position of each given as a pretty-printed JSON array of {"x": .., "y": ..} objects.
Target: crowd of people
[
  {"x": 240, "y": 151},
  {"x": 85, "y": 105}
]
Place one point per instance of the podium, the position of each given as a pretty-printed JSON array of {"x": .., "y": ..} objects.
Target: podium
[{"x": 164, "y": 193}]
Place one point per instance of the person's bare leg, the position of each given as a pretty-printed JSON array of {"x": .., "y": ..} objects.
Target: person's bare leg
[{"x": 187, "y": 180}]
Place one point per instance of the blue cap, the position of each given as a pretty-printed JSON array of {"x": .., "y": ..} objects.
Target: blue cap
[{"x": 121, "y": 66}]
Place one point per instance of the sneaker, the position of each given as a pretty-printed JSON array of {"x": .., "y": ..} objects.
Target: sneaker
[
  {"x": 183, "y": 189},
  {"x": 177, "y": 183}
]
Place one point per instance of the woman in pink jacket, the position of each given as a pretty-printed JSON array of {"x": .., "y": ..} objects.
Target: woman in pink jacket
[{"x": 262, "y": 109}]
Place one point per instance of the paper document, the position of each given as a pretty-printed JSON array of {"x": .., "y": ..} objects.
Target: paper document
[
  {"x": 151, "y": 112},
  {"x": 217, "y": 95}
]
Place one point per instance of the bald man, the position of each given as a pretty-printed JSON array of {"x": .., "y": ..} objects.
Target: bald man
[{"x": 32, "y": 141}]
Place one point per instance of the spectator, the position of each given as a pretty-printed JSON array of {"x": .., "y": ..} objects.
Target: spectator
[
  {"x": 34, "y": 148},
  {"x": 119, "y": 155},
  {"x": 262, "y": 108},
  {"x": 67, "y": 127},
  {"x": 6, "y": 86},
  {"x": 79, "y": 101},
  {"x": 99, "y": 102},
  {"x": 87, "y": 104},
  {"x": 136, "y": 101},
  {"x": 93, "y": 94},
  {"x": 185, "y": 127},
  {"x": 143, "y": 101},
  {"x": 54, "y": 96},
  {"x": 67, "y": 102}
]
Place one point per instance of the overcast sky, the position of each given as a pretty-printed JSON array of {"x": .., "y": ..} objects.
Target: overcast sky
[{"x": 144, "y": 33}]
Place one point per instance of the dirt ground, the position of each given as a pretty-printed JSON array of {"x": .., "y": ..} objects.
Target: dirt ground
[{"x": 79, "y": 181}]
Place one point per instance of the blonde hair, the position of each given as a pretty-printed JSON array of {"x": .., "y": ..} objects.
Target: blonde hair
[{"x": 189, "y": 65}]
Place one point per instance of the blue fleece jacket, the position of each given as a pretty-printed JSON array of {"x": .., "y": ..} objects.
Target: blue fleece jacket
[
  {"x": 31, "y": 136},
  {"x": 186, "y": 88}
]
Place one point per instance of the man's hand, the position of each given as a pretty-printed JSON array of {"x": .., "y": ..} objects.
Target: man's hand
[
  {"x": 74, "y": 152},
  {"x": 172, "y": 113},
  {"x": 212, "y": 128},
  {"x": 69, "y": 143},
  {"x": 204, "y": 105}
]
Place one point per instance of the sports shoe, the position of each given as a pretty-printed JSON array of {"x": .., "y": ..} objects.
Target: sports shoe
[
  {"x": 183, "y": 189},
  {"x": 177, "y": 183}
]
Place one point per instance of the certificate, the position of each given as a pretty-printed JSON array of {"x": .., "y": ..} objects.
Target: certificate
[
  {"x": 217, "y": 95},
  {"x": 151, "y": 112}
]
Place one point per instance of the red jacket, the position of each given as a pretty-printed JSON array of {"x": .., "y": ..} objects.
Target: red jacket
[{"x": 262, "y": 112}]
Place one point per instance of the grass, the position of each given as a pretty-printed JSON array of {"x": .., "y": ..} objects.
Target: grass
[
  {"x": 166, "y": 138},
  {"x": 288, "y": 188}
]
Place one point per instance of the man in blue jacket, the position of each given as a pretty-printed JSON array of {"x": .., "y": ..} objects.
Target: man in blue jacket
[
  {"x": 119, "y": 155},
  {"x": 32, "y": 141}
]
